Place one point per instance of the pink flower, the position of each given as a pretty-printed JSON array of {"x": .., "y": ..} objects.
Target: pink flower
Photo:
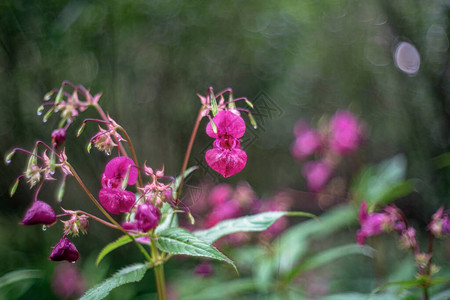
[
  {"x": 220, "y": 194},
  {"x": 371, "y": 223},
  {"x": 116, "y": 170},
  {"x": 227, "y": 210},
  {"x": 116, "y": 201},
  {"x": 317, "y": 174},
  {"x": 64, "y": 250},
  {"x": 39, "y": 213},
  {"x": 440, "y": 223},
  {"x": 147, "y": 217},
  {"x": 58, "y": 136},
  {"x": 307, "y": 142},
  {"x": 204, "y": 269},
  {"x": 68, "y": 282},
  {"x": 345, "y": 132},
  {"x": 226, "y": 157}
]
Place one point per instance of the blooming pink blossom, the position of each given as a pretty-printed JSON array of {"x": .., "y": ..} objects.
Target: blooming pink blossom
[
  {"x": 39, "y": 213},
  {"x": 116, "y": 170},
  {"x": 345, "y": 132},
  {"x": 116, "y": 201},
  {"x": 440, "y": 223},
  {"x": 317, "y": 174},
  {"x": 372, "y": 223},
  {"x": 226, "y": 157},
  {"x": 64, "y": 250},
  {"x": 307, "y": 141}
]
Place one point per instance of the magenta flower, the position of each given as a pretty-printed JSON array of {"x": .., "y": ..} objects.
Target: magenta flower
[
  {"x": 204, "y": 269},
  {"x": 59, "y": 136},
  {"x": 440, "y": 223},
  {"x": 307, "y": 141},
  {"x": 226, "y": 156},
  {"x": 116, "y": 201},
  {"x": 147, "y": 217},
  {"x": 116, "y": 170},
  {"x": 64, "y": 250},
  {"x": 39, "y": 213},
  {"x": 317, "y": 174},
  {"x": 345, "y": 132},
  {"x": 228, "y": 210},
  {"x": 220, "y": 194},
  {"x": 68, "y": 282},
  {"x": 371, "y": 223}
]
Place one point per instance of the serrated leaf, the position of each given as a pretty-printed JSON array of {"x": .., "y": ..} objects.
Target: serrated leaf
[
  {"x": 128, "y": 274},
  {"x": 257, "y": 222},
  {"x": 123, "y": 240},
  {"x": 180, "y": 241},
  {"x": 19, "y": 275}
]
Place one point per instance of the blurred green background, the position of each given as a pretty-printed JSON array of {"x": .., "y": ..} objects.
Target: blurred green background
[{"x": 302, "y": 59}]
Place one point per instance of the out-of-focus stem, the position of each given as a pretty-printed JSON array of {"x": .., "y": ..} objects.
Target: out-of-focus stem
[{"x": 107, "y": 215}]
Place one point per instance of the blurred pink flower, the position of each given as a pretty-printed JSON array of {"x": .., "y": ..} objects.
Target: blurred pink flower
[
  {"x": 147, "y": 217},
  {"x": 317, "y": 174},
  {"x": 220, "y": 194},
  {"x": 67, "y": 281},
  {"x": 204, "y": 269},
  {"x": 345, "y": 132},
  {"x": 440, "y": 223},
  {"x": 307, "y": 141},
  {"x": 226, "y": 157},
  {"x": 227, "y": 210}
]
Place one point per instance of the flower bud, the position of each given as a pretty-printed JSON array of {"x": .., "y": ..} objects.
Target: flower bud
[
  {"x": 64, "y": 250},
  {"x": 147, "y": 217},
  {"x": 58, "y": 136},
  {"x": 116, "y": 201},
  {"x": 39, "y": 213}
]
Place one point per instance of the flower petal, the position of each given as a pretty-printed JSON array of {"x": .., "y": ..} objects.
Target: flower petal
[
  {"x": 226, "y": 162},
  {"x": 117, "y": 169},
  {"x": 116, "y": 200},
  {"x": 227, "y": 123}
]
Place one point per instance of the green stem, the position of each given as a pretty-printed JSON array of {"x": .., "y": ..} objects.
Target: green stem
[
  {"x": 159, "y": 272},
  {"x": 107, "y": 215}
]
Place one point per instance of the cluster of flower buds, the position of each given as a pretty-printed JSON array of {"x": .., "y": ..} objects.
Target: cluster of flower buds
[
  {"x": 226, "y": 127},
  {"x": 340, "y": 137},
  {"x": 374, "y": 223},
  {"x": 391, "y": 219}
]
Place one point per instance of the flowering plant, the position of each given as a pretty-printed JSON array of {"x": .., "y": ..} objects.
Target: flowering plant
[{"x": 146, "y": 201}]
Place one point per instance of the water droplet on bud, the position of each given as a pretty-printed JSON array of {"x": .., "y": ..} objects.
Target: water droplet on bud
[
  {"x": 44, "y": 227},
  {"x": 8, "y": 161},
  {"x": 39, "y": 112},
  {"x": 52, "y": 172},
  {"x": 56, "y": 109},
  {"x": 108, "y": 153},
  {"x": 73, "y": 262},
  {"x": 44, "y": 120}
]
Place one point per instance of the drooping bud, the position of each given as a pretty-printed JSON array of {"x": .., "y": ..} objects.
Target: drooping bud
[
  {"x": 116, "y": 201},
  {"x": 39, "y": 213},
  {"x": 58, "y": 136},
  {"x": 64, "y": 250},
  {"x": 147, "y": 217}
]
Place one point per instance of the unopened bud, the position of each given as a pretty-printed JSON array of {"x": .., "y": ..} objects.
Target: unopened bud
[
  {"x": 64, "y": 250},
  {"x": 39, "y": 213}
]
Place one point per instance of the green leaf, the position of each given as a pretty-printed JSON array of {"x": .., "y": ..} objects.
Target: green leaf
[
  {"x": 177, "y": 181},
  {"x": 228, "y": 290},
  {"x": 384, "y": 182},
  {"x": 19, "y": 275},
  {"x": 327, "y": 256},
  {"x": 180, "y": 241},
  {"x": 257, "y": 222},
  {"x": 128, "y": 274},
  {"x": 170, "y": 218},
  {"x": 123, "y": 240},
  {"x": 405, "y": 284}
]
